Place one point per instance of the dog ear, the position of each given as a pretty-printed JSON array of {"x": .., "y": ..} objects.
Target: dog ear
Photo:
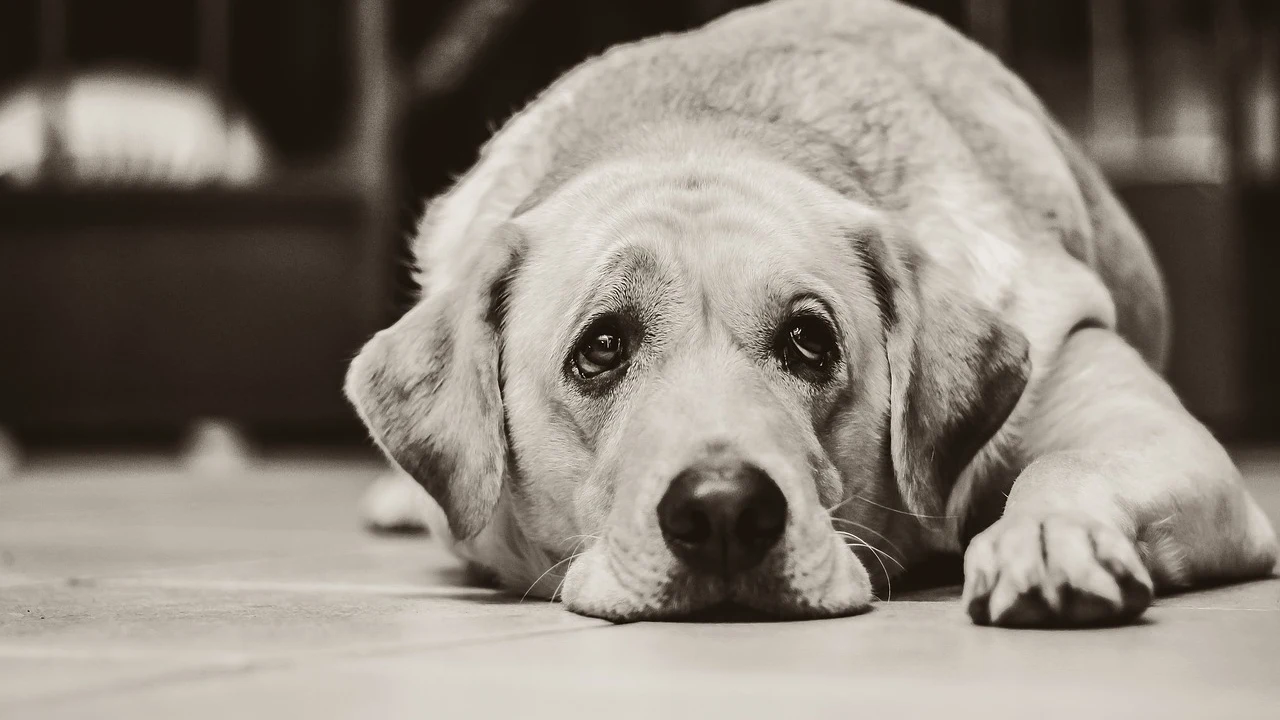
[
  {"x": 428, "y": 388},
  {"x": 956, "y": 372}
]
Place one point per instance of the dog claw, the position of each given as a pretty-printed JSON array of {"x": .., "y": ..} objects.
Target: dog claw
[{"x": 1054, "y": 572}]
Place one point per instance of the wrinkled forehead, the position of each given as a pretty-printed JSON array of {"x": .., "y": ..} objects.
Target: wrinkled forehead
[{"x": 722, "y": 242}]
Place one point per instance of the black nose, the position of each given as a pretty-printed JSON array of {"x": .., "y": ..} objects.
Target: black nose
[{"x": 722, "y": 517}]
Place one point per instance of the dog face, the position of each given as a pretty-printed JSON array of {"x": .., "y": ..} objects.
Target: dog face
[
  {"x": 674, "y": 402},
  {"x": 687, "y": 378}
]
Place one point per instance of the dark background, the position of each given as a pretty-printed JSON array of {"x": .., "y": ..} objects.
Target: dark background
[{"x": 128, "y": 313}]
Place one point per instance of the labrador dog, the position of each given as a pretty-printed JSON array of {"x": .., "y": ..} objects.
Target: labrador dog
[{"x": 762, "y": 314}]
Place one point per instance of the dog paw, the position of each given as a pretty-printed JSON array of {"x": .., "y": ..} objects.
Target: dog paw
[
  {"x": 1056, "y": 571},
  {"x": 396, "y": 504}
]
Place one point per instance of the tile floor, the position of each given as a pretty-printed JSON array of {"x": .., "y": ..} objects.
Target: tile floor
[{"x": 130, "y": 589}]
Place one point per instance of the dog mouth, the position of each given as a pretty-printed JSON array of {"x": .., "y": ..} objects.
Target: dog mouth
[
  {"x": 789, "y": 588},
  {"x": 723, "y": 608}
]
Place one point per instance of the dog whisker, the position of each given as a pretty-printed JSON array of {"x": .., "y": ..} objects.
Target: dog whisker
[
  {"x": 888, "y": 582},
  {"x": 573, "y": 554},
  {"x": 545, "y": 573},
  {"x": 871, "y": 547},
  {"x": 921, "y": 516},
  {"x": 559, "y": 586},
  {"x": 875, "y": 553},
  {"x": 872, "y": 530},
  {"x": 565, "y": 576}
]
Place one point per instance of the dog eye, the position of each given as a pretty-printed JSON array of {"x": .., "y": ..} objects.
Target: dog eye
[
  {"x": 601, "y": 349},
  {"x": 807, "y": 344}
]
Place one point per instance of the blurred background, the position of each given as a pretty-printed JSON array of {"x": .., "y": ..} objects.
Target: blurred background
[{"x": 204, "y": 203}]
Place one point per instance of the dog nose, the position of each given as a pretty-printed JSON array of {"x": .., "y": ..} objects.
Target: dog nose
[{"x": 722, "y": 518}]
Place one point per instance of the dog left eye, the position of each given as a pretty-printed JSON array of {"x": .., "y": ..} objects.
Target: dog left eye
[
  {"x": 807, "y": 343},
  {"x": 601, "y": 349}
]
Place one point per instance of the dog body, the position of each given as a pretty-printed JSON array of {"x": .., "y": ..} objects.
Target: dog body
[{"x": 718, "y": 306}]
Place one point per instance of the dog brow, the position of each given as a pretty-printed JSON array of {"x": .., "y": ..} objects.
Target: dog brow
[
  {"x": 609, "y": 284},
  {"x": 622, "y": 265}
]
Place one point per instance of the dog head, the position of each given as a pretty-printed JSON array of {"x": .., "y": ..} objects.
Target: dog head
[{"x": 690, "y": 379}]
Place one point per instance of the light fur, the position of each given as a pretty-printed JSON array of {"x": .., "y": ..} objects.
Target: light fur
[{"x": 1002, "y": 326}]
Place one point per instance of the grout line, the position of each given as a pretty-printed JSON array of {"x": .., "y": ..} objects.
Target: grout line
[
  {"x": 24, "y": 581},
  {"x": 399, "y": 590},
  {"x": 46, "y": 652},
  {"x": 1216, "y": 609},
  {"x": 394, "y": 648},
  {"x": 1155, "y": 606},
  {"x": 134, "y": 526},
  {"x": 74, "y": 580},
  {"x": 243, "y": 661}
]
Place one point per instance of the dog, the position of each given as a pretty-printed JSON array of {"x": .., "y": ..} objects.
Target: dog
[{"x": 760, "y": 315}]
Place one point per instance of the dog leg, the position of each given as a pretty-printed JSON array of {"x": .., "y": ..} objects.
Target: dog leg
[{"x": 1126, "y": 494}]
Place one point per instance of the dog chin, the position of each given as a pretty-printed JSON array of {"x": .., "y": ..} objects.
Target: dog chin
[{"x": 824, "y": 585}]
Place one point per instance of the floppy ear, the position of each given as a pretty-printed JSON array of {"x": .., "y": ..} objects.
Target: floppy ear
[
  {"x": 428, "y": 388},
  {"x": 956, "y": 372}
]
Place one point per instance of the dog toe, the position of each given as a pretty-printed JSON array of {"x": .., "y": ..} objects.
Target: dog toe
[{"x": 1053, "y": 572}]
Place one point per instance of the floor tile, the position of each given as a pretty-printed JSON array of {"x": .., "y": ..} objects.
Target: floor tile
[
  {"x": 270, "y": 495},
  {"x": 45, "y": 551},
  {"x": 904, "y": 660},
  {"x": 361, "y": 560},
  {"x": 30, "y": 678},
  {"x": 1263, "y": 595},
  {"x": 142, "y": 591},
  {"x": 268, "y": 623},
  {"x": 70, "y": 521}
]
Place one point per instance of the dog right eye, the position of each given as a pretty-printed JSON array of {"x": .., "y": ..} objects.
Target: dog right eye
[
  {"x": 602, "y": 348},
  {"x": 807, "y": 347}
]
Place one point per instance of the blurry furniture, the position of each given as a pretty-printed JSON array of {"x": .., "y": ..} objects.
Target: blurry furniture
[
  {"x": 152, "y": 307},
  {"x": 137, "y": 308}
]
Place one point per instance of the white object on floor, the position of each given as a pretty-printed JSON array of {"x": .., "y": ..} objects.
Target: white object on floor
[
  {"x": 122, "y": 128},
  {"x": 10, "y": 455},
  {"x": 395, "y": 502},
  {"x": 217, "y": 447}
]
